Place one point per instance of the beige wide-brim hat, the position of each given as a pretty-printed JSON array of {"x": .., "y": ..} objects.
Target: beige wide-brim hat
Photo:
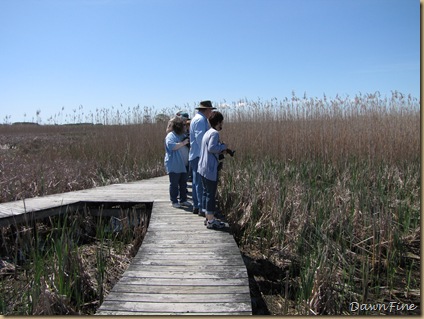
[{"x": 205, "y": 105}]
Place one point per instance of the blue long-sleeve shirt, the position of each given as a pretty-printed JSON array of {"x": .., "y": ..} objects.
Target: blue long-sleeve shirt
[
  {"x": 198, "y": 127},
  {"x": 209, "y": 156}
]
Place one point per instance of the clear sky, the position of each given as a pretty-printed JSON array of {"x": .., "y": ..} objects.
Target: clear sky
[{"x": 58, "y": 54}]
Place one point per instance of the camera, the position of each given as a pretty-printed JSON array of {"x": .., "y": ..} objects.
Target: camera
[
  {"x": 188, "y": 141},
  {"x": 230, "y": 152}
]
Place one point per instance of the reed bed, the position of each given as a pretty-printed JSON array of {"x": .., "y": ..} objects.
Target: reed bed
[
  {"x": 330, "y": 192},
  {"x": 40, "y": 160},
  {"x": 326, "y": 190}
]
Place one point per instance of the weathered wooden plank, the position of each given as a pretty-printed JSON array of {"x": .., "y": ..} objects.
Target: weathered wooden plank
[
  {"x": 183, "y": 257},
  {"x": 29, "y": 216},
  {"x": 190, "y": 242},
  {"x": 186, "y": 289},
  {"x": 219, "y": 282},
  {"x": 32, "y": 205},
  {"x": 177, "y": 298},
  {"x": 176, "y": 307},
  {"x": 181, "y": 274},
  {"x": 200, "y": 244},
  {"x": 178, "y": 224},
  {"x": 186, "y": 254},
  {"x": 201, "y": 232},
  {"x": 188, "y": 250},
  {"x": 164, "y": 262},
  {"x": 188, "y": 268},
  {"x": 187, "y": 238},
  {"x": 139, "y": 313}
]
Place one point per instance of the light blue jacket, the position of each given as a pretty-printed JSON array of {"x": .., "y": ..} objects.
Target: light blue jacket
[
  {"x": 198, "y": 127},
  {"x": 210, "y": 149},
  {"x": 174, "y": 162}
]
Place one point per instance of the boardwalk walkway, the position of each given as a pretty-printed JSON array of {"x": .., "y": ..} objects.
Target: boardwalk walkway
[{"x": 181, "y": 267}]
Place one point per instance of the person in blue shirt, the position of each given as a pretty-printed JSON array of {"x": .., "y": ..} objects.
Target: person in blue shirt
[
  {"x": 211, "y": 147},
  {"x": 198, "y": 126},
  {"x": 176, "y": 160}
]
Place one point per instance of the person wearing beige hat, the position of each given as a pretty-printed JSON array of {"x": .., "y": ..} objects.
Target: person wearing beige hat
[{"x": 198, "y": 126}]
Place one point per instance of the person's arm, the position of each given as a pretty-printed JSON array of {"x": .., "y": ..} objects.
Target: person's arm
[
  {"x": 172, "y": 142},
  {"x": 214, "y": 145},
  {"x": 181, "y": 144},
  {"x": 199, "y": 130},
  {"x": 198, "y": 135}
]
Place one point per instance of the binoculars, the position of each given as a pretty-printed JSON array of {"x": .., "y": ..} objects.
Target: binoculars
[{"x": 230, "y": 152}]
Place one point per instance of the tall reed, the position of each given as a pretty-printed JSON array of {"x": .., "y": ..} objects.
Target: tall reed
[{"x": 327, "y": 187}]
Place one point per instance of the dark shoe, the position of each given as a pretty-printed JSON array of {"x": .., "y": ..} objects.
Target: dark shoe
[
  {"x": 195, "y": 210},
  {"x": 186, "y": 203},
  {"x": 215, "y": 224},
  {"x": 201, "y": 213}
]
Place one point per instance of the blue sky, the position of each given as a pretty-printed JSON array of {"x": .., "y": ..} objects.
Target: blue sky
[{"x": 163, "y": 53}]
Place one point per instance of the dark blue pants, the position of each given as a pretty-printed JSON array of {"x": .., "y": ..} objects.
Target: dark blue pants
[
  {"x": 209, "y": 188},
  {"x": 178, "y": 186}
]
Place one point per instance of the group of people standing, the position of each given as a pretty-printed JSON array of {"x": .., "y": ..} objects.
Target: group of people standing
[{"x": 193, "y": 146}]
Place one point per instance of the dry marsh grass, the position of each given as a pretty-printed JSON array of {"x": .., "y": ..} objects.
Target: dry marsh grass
[
  {"x": 41, "y": 160},
  {"x": 331, "y": 194},
  {"x": 367, "y": 127}
]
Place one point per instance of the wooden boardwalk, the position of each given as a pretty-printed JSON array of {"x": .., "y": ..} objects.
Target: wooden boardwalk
[
  {"x": 144, "y": 191},
  {"x": 181, "y": 267}
]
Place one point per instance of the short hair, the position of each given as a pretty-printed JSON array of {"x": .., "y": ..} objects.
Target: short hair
[{"x": 215, "y": 118}]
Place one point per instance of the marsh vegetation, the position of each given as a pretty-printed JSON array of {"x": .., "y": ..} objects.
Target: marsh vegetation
[{"x": 323, "y": 195}]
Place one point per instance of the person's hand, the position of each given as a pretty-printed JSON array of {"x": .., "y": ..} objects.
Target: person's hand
[{"x": 230, "y": 152}]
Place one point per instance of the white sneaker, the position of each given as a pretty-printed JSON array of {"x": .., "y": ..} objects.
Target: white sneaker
[{"x": 176, "y": 205}]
